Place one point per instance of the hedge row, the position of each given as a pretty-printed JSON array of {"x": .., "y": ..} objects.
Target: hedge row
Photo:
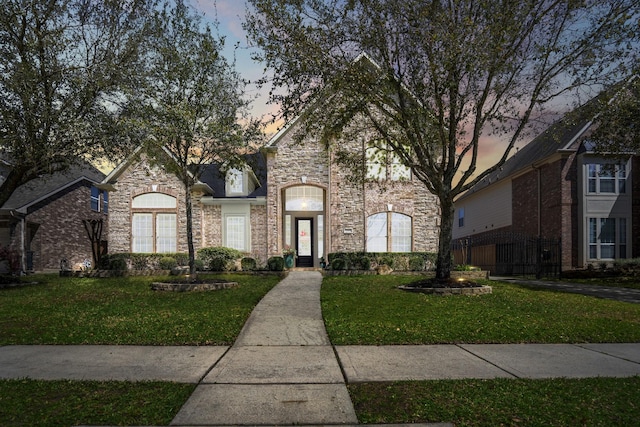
[
  {"x": 213, "y": 259},
  {"x": 399, "y": 261}
]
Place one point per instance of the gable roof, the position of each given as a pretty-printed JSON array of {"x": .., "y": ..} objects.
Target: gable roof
[
  {"x": 47, "y": 186},
  {"x": 560, "y": 137},
  {"x": 213, "y": 176}
]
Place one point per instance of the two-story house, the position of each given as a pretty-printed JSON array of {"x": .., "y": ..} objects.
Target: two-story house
[{"x": 558, "y": 187}]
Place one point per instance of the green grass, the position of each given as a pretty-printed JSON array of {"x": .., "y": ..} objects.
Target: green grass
[
  {"x": 126, "y": 311},
  {"x": 369, "y": 310},
  {"x": 67, "y": 403},
  {"x": 501, "y": 402}
]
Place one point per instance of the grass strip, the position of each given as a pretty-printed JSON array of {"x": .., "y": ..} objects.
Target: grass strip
[
  {"x": 63, "y": 310},
  {"x": 501, "y": 402},
  {"x": 369, "y": 310},
  {"x": 66, "y": 403}
]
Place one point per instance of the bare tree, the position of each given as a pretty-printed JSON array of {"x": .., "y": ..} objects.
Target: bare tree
[{"x": 439, "y": 75}]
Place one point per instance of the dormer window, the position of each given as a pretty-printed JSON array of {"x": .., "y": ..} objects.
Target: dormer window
[{"x": 236, "y": 183}]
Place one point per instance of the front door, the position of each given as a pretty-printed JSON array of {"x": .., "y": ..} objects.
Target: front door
[{"x": 304, "y": 242}]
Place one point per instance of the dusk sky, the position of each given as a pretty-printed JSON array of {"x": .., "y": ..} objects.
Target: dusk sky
[{"x": 230, "y": 15}]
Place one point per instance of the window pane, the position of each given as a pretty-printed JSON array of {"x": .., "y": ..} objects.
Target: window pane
[
  {"x": 166, "y": 233},
  {"x": 154, "y": 200},
  {"x": 287, "y": 230},
  {"x": 95, "y": 199},
  {"x": 234, "y": 180},
  {"x": 235, "y": 233},
  {"x": 607, "y": 238},
  {"x": 593, "y": 230},
  {"x": 377, "y": 233},
  {"x": 105, "y": 202},
  {"x": 376, "y": 160},
  {"x": 320, "y": 235},
  {"x": 304, "y": 198},
  {"x": 400, "y": 233},
  {"x": 142, "y": 233}
]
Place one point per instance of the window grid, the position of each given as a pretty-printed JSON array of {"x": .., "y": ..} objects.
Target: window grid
[
  {"x": 606, "y": 178},
  {"x": 304, "y": 198},
  {"x": 607, "y": 238},
  {"x": 235, "y": 233},
  {"x": 389, "y": 232}
]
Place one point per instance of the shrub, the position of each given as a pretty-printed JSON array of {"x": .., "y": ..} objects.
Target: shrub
[
  {"x": 387, "y": 260},
  {"x": 167, "y": 263},
  {"x": 226, "y": 254},
  {"x": 199, "y": 264},
  {"x": 364, "y": 263},
  {"x": 416, "y": 263},
  {"x": 339, "y": 264},
  {"x": 275, "y": 263},
  {"x": 248, "y": 264},
  {"x": 218, "y": 264},
  {"x": 117, "y": 263},
  {"x": 182, "y": 259}
]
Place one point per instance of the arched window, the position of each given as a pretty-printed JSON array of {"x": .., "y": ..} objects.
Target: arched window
[
  {"x": 304, "y": 198},
  {"x": 153, "y": 223},
  {"x": 389, "y": 232}
]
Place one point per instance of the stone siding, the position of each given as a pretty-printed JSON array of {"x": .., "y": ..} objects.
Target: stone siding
[
  {"x": 347, "y": 201},
  {"x": 139, "y": 178}
]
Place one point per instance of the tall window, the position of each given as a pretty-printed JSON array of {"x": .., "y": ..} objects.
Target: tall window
[
  {"x": 153, "y": 224},
  {"x": 607, "y": 238},
  {"x": 606, "y": 178},
  {"x": 236, "y": 232},
  {"x": 99, "y": 200},
  {"x": 460, "y": 217},
  {"x": 389, "y": 232},
  {"x": 383, "y": 164}
]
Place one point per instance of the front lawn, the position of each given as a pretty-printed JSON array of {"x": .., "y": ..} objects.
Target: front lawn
[
  {"x": 31, "y": 403},
  {"x": 61, "y": 310},
  {"x": 369, "y": 310},
  {"x": 501, "y": 402}
]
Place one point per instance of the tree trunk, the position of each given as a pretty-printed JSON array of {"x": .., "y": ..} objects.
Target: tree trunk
[
  {"x": 189, "y": 207},
  {"x": 444, "y": 261}
]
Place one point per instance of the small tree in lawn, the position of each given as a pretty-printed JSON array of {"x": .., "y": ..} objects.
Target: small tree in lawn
[
  {"x": 192, "y": 106},
  {"x": 442, "y": 75}
]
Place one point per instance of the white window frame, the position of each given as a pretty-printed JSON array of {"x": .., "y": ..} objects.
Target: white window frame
[
  {"x": 389, "y": 232},
  {"x": 598, "y": 173},
  {"x": 595, "y": 244},
  {"x": 384, "y": 165},
  {"x": 231, "y": 239},
  {"x": 236, "y": 182},
  {"x": 160, "y": 211}
]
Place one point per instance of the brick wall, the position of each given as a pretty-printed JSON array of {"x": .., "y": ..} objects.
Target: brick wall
[
  {"x": 544, "y": 203},
  {"x": 59, "y": 232}
]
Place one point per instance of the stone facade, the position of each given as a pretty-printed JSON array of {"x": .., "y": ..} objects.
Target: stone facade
[
  {"x": 340, "y": 225},
  {"x": 347, "y": 202}
]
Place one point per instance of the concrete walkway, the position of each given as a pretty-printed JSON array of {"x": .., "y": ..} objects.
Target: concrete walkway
[{"x": 283, "y": 370}]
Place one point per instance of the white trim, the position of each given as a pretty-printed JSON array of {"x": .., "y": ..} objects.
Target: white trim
[{"x": 218, "y": 201}]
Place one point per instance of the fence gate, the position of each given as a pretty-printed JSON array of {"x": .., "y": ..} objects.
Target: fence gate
[{"x": 510, "y": 254}]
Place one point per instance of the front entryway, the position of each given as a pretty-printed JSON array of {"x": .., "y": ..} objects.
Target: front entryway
[
  {"x": 304, "y": 242},
  {"x": 303, "y": 224}
]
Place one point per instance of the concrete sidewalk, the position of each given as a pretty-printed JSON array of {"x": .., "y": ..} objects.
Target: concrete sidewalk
[
  {"x": 317, "y": 364},
  {"x": 283, "y": 370}
]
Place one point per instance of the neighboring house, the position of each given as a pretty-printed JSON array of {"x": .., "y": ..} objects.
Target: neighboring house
[
  {"x": 289, "y": 195},
  {"x": 557, "y": 187},
  {"x": 42, "y": 222}
]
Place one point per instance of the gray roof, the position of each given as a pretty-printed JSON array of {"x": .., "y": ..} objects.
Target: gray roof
[
  {"x": 49, "y": 185},
  {"x": 559, "y": 137}
]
